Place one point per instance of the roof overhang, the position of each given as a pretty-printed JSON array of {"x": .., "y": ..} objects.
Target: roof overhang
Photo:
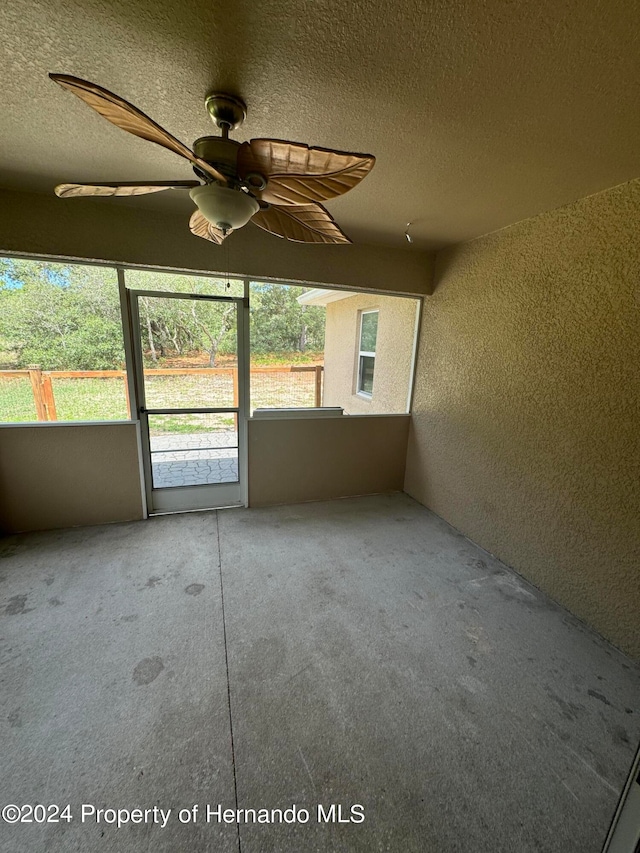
[{"x": 320, "y": 296}]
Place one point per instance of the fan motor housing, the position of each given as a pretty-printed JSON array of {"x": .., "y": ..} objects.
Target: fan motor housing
[{"x": 221, "y": 153}]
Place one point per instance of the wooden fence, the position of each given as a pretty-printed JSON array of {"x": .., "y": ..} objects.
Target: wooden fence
[{"x": 42, "y": 381}]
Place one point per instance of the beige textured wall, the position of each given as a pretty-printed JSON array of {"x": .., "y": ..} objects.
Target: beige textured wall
[
  {"x": 294, "y": 460},
  {"x": 108, "y": 230},
  {"x": 526, "y": 430},
  {"x": 66, "y": 475},
  {"x": 394, "y": 351}
]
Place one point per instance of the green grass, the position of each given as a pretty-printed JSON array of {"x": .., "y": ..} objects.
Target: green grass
[
  {"x": 16, "y": 401},
  {"x": 105, "y": 399},
  {"x": 188, "y": 424},
  {"x": 90, "y": 399},
  {"x": 269, "y": 359},
  {"x": 75, "y": 399}
]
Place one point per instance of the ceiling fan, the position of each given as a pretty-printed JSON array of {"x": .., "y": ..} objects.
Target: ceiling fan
[{"x": 278, "y": 185}]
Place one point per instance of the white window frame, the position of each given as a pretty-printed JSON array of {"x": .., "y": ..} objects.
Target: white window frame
[{"x": 359, "y": 392}]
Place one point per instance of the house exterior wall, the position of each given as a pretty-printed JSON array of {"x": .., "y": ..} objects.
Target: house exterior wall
[
  {"x": 394, "y": 353},
  {"x": 526, "y": 428}
]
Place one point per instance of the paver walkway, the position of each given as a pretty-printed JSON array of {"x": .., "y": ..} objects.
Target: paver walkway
[{"x": 194, "y": 459}]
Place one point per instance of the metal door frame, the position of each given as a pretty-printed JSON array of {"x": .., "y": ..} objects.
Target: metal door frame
[{"x": 186, "y": 498}]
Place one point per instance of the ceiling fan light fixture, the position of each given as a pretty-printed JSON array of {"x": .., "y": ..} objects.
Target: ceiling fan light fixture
[
  {"x": 277, "y": 184},
  {"x": 224, "y": 207}
]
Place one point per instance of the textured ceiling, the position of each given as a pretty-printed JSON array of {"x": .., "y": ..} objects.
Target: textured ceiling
[{"x": 480, "y": 113}]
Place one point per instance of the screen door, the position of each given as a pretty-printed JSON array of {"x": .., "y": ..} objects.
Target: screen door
[{"x": 189, "y": 368}]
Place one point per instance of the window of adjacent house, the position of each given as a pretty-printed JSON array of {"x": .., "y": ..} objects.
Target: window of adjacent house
[{"x": 367, "y": 352}]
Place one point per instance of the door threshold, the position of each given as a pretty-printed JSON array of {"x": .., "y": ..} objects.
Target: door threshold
[{"x": 198, "y": 509}]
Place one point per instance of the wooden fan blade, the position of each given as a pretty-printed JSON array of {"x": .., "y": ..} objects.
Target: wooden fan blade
[
  {"x": 297, "y": 174},
  {"x": 201, "y": 227},
  {"x": 127, "y": 117},
  {"x": 123, "y": 189},
  {"x": 309, "y": 223}
]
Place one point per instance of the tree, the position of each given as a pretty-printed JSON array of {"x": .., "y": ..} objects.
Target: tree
[
  {"x": 60, "y": 317},
  {"x": 214, "y": 332},
  {"x": 67, "y": 317},
  {"x": 186, "y": 326},
  {"x": 280, "y": 324}
]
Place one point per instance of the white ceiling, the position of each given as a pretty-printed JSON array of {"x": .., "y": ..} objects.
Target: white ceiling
[{"x": 480, "y": 113}]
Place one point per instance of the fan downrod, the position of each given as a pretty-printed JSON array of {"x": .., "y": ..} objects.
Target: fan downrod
[{"x": 226, "y": 111}]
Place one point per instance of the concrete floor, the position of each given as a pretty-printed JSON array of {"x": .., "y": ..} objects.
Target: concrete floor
[{"x": 353, "y": 652}]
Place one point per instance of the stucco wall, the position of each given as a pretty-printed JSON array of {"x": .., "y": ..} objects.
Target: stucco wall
[
  {"x": 394, "y": 352},
  {"x": 526, "y": 426},
  {"x": 66, "y": 475},
  {"x": 292, "y": 460}
]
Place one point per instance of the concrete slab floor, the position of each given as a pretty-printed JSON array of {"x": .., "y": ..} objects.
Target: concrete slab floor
[{"x": 368, "y": 654}]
